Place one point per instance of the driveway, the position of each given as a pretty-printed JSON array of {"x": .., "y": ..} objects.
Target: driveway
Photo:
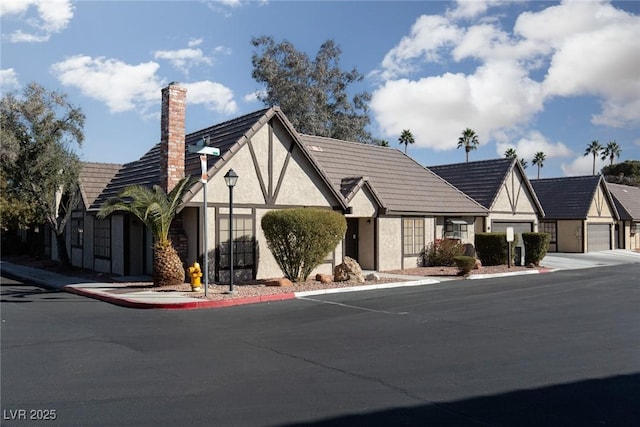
[{"x": 569, "y": 261}]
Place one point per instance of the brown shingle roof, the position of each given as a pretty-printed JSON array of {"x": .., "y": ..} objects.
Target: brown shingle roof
[
  {"x": 228, "y": 137},
  {"x": 400, "y": 183},
  {"x": 627, "y": 200},
  {"x": 94, "y": 177}
]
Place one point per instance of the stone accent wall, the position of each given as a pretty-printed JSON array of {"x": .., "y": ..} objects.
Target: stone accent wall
[{"x": 172, "y": 133}]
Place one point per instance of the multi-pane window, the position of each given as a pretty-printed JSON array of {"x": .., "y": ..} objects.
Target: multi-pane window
[
  {"x": 413, "y": 235},
  {"x": 102, "y": 238},
  {"x": 243, "y": 242},
  {"x": 455, "y": 229},
  {"x": 77, "y": 230},
  {"x": 548, "y": 227}
]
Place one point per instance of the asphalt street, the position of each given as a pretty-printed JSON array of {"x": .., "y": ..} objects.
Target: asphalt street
[{"x": 551, "y": 349}]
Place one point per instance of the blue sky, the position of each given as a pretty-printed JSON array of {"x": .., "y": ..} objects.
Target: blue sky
[{"x": 534, "y": 76}]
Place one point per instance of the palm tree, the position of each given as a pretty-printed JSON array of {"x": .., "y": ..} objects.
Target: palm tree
[
  {"x": 406, "y": 138},
  {"x": 156, "y": 209},
  {"x": 523, "y": 163},
  {"x": 468, "y": 140},
  {"x": 538, "y": 160},
  {"x": 594, "y": 149},
  {"x": 611, "y": 151},
  {"x": 511, "y": 154}
]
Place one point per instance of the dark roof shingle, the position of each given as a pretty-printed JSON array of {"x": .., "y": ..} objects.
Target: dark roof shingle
[
  {"x": 480, "y": 180},
  {"x": 567, "y": 197}
]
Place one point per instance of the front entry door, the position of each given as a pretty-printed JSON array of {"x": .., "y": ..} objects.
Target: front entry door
[{"x": 351, "y": 239}]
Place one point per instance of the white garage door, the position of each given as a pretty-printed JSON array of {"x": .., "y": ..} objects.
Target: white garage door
[{"x": 598, "y": 237}]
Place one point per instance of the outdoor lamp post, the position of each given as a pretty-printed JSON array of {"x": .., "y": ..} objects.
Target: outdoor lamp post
[
  {"x": 204, "y": 150},
  {"x": 231, "y": 178}
]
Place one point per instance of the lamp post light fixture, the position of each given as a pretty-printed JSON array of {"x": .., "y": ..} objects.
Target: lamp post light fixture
[
  {"x": 230, "y": 179},
  {"x": 204, "y": 150}
]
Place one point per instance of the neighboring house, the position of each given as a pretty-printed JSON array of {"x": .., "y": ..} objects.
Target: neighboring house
[
  {"x": 580, "y": 214},
  {"x": 390, "y": 217},
  {"x": 627, "y": 200},
  {"x": 501, "y": 186},
  {"x": 80, "y": 229},
  {"x": 396, "y": 206}
]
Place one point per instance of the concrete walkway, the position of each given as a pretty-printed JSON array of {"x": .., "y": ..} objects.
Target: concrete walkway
[{"x": 145, "y": 297}]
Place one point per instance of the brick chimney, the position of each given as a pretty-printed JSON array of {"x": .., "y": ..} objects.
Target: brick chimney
[{"x": 172, "y": 132}]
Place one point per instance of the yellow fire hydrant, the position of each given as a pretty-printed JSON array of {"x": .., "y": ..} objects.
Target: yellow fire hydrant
[{"x": 195, "y": 273}]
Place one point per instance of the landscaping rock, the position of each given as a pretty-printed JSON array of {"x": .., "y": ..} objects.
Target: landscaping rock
[
  {"x": 373, "y": 277},
  {"x": 279, "y": 282},
  {"x": 324, "y": 278},
  {"x": 348, "y": 270},
  {"x": 478, "y": 265}
]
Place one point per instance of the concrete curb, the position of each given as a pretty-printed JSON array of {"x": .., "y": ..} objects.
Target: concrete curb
[
  {"x": 367, "y": 287},
  {"x": 190, "y": 305}
]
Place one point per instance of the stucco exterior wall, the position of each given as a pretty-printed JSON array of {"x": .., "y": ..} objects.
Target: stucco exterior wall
[
  {"x": 389, "y": 243},
  {"x": 362, "y": 205}
]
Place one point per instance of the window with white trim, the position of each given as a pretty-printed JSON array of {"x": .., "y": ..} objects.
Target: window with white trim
[
  {"x": 102, "y": 238},
  {"x": 455, "y": 228},
  {"x": 413, "y": 235}
]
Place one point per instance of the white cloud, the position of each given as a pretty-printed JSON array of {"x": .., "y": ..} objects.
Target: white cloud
[
  {"x": 472, "y": 8},
  {"x": 51, "y": 16},
  {"x": 527, "y": 146},
  {"x": 436, "y": 109},
  {"x": 429, "y": 35},
  {"x": 8, "y": 80},
  {"x": 123, "y": 87},
  {"x": 589, "y": 48},
  {"x": 184, "y": 59},
  {"x": 582, "y": 165},
  {"x": 214, "y": 96},
  {"x": 254, "y": 96}
]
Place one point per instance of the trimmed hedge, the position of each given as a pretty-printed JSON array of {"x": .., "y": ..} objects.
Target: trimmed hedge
[
  {"x": 465, "y": 264},
  {"x": 492, "y": 248},
  {"x": 300, "y": 239},
  {"x": 536, "y": 246}
]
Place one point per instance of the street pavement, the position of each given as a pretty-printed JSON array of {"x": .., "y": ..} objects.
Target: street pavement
[{"x": 149, "y": 298}]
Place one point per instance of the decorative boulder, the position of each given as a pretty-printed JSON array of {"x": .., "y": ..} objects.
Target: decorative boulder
[
  {"x": 324, "y": 278},
  {"x": 348, "y": 270},
  {"x": 279, "y": 282},
  {"x": 373, "y": 277},
  {"x": 478, "y": 265}
]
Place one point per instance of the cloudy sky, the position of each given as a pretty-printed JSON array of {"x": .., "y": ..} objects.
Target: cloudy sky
[{"x": 534, "y": 76}]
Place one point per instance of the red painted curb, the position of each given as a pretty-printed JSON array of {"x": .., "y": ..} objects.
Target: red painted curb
[{"x": 192, "y": 305}]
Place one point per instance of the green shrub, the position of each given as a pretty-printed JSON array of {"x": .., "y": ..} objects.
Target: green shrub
[
  {"x": 492, "y": 248},
  {"x": 300, "y": 239},
  {"x": 465, "y": 264},
  {"x": 536, "y": 246},
  {"x": 440, "y": 253}
]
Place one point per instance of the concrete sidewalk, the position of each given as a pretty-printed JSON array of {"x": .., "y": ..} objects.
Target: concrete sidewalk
[{"x": 148, "y": 297}]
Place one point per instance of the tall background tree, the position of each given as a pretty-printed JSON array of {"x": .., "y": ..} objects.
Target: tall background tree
[
  {"x": 156, "y": 209},
  {"x": 468, "y": 140},
  {"x": 406, "y": 138},
  {"x": 626, "y": 173},
  {"x": 39, "y": 169},
  {"x": 511, "y": 153},
  {"x": 594, "y": 149},
  {"x": 538, "y": 160},
  {"x": 611, "y": 152},
  {"x": 312, "y": 93}
]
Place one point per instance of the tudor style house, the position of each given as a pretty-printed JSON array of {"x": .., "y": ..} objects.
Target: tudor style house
[
  {"x": 393, "y": 206},
  {"x": 501, "y": 186},
  {"x": 580, "y": 214},
  {"x": 627, "y": 201}
]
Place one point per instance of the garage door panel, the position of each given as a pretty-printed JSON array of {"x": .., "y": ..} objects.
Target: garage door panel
[{"x": 598, "y": 237}]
